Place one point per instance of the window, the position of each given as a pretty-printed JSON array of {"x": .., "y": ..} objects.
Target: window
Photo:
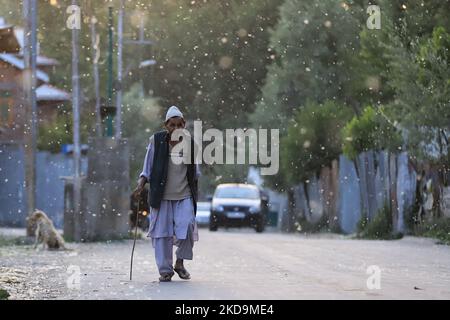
[{"x": 237, "y": 193}]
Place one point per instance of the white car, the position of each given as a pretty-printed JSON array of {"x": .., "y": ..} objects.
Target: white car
[
  {"x": 203, "y": 213},
  {"x": 238, "y": 205}
]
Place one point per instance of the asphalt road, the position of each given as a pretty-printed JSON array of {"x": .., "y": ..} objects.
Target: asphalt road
[{"x": 236, "y": 264}]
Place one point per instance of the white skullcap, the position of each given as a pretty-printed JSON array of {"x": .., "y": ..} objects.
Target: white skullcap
[{"x": 173, "y": 112}]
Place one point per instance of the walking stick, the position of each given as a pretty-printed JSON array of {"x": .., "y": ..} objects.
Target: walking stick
[{"x": 135, "y": 236}]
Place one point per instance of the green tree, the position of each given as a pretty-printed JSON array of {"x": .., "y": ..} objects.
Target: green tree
[
  {"x": 406, "y": 63},
  {"x": 312, "y": 142},
  {"x": 142, "y": 117},
  {"x": 313, "y": 45},
  {"x": 420, "y": 77},
  {"x": 370, "y": 131},
  {"x": 212, "y": 58},
  {"x": 313, "y": 139}
]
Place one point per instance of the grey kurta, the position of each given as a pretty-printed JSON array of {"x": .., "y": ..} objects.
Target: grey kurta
[
  {"x": 177, "y": 187},
  {"x": 174, "y": 217}
]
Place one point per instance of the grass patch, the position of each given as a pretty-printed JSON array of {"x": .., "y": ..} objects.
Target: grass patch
[
  {"x": 4, "y": 295},
  {"x": 14, "y": 241},
  {"x": 127, "y": 236},
  {"x": 379, "y": 228},
  {"x": 438, "y": 229},
  {"x": 322, "y": 226},
  {"x": 112, "y": 238}
]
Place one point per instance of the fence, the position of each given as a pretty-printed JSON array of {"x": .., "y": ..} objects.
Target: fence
[{"x": 49, "y": 186}]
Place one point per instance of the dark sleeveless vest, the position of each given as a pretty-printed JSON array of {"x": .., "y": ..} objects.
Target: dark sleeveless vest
[{"x": 158, "y": 176}]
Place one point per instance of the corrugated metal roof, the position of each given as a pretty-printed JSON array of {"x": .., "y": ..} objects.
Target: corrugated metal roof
[
  {"x": 3, "y": 24},
  {"x": 49, "y": 93},
  {"x": 20, "y": 36},
  {"x": 43, "y": 61},
  {"x": 20, "y": 64}
]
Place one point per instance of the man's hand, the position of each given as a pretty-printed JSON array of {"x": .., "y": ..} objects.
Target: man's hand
[{"x": 140, "y": 187}]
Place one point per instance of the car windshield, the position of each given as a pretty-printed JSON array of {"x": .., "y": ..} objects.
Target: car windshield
[{"x": 237, "y": 192}]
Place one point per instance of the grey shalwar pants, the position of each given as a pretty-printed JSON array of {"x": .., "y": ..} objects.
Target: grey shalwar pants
[
  {"x": 164, "y": 251},
  {"x": 173, "y": 224}
]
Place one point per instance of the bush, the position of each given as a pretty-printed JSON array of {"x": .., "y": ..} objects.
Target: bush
[
  {"x": 15, "y": 241},
  {"x": 380, "y": 228},
  {"x": 324, "y": 225},
  {"x": 53, "y": 135},
  {"x": 438, "y": 229},
  {"x": 4, "y": 295},
  {"x": 370, "y": 131},
  {"x": 313, "y": 140}
]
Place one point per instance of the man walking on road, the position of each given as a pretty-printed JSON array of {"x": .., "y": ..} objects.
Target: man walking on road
[{"x": 172, "y": 198}]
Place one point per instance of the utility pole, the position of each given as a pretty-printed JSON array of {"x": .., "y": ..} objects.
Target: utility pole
[
  {"x": 76, "y": 124},
  {"x": 109, "y": 116},
  {"x": 29, "y": 56},
  {"x": 141, "y": 53},
  {"x": 118, "y": 134},
  {"x": 141, "y": 43},
  {"x": 95, "y": 57}
]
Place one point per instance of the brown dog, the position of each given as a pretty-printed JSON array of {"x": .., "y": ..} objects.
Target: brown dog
[{"x": 45, "y": 231}]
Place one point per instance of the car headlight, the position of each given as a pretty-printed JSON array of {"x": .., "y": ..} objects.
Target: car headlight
[
  {"x": 219, "y": 208},
  {"x": 254, "y": 209}
]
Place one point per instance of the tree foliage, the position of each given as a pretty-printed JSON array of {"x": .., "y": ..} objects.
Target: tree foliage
[
  {"x": 313, "y": 139},
  {"x": 370, "y": 131}
]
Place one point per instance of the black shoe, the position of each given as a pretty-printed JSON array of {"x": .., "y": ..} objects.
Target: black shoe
[
  {"x": 166, "y": 277},
  {"x": 182, "y": 273}
]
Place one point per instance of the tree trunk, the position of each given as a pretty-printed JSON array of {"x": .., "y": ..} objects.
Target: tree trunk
[
  {"x": 361, "y": 172},
  {"x": 393, "y": 187},
  {"x": 308, "y": 214},
  {"x": 291, "y": 216}
]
